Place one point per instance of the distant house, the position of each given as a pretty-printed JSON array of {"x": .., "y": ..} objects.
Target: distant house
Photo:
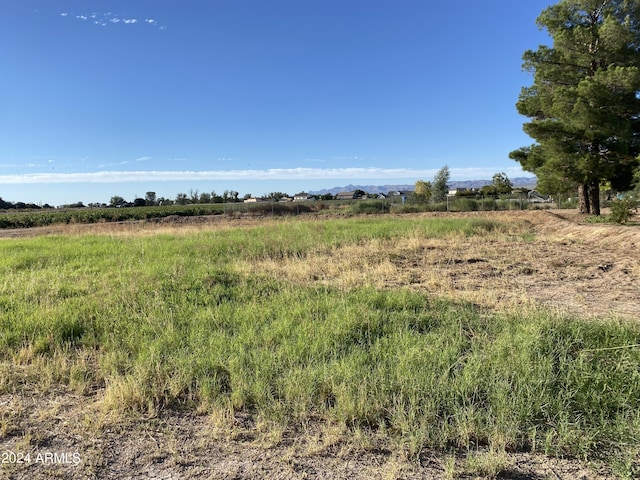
[
  {"x": 303, "y": 196},
  {"x": 398, "y": 193},
  {"x": 345, "y": 195},
  {"x": 535, "y": 197},
  {"x": 457, "y": 191},
  {"x": 261, "y": 200}
]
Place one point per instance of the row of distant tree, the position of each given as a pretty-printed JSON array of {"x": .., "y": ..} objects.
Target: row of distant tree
[
  {"x": 436, "y": 190},
  {"x": 425, "y": 191},
  {"x": 152, "y": 199},
  {"x": 193, "y": 197},
  {"x": 4, "y": 205}
]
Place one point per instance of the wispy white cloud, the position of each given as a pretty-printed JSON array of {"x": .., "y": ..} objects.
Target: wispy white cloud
[
  {"x": 116, "y": 164},
  {"x": 248, "y": 174},
  {"x": 124, "y": 162},
  {"x": 104, "y": 19}
]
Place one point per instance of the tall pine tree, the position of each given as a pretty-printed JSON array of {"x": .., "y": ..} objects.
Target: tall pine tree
[{"x": 584, "y": 105}]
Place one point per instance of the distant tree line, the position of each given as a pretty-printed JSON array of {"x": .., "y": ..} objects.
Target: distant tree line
[
  {"x": 425, "y": 191},
  {"x": 436, "y": 191},
  {"x": 4, "y": 205},
  {"x": 192, "y": 198}
]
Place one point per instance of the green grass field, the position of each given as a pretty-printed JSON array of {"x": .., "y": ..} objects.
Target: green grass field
[{"x": 173, "y": 321}]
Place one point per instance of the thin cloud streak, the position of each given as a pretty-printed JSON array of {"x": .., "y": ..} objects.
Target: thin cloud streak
[
  {"x": 249, "y": 174},
  {"x": 103, "y": 19}
]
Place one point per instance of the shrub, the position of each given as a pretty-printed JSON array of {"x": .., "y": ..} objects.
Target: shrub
[
  {"x": 508, "y": 204},
  {"x": 622, "y": 210},
  {"x": 438, "y": 207},
  {"x": 273, "y": 208},
  {"x": 487, "y": 204},
  {"x": 571, "y": 202},
  {"x": 465, "y": 205},
  {"x": 370, "y": 207},
  {"x": 409, "y": 208}
]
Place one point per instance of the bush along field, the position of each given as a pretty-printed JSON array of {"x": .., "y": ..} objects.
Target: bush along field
[
  {"x": 22, "y": 219},
  {"x": 179, "y": 322},
  {"x": 98, "y": 215}
]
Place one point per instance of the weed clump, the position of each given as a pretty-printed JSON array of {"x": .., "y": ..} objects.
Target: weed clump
[
  {"x": 622, "y": 210},
  {"x": 274, "y": 208},
  {"x": 370, "y": 207}
]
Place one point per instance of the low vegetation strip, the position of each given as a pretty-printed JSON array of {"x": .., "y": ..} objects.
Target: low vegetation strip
[
  {"x": 141, "y": 324},
  {"x": 97, "y": 215}
]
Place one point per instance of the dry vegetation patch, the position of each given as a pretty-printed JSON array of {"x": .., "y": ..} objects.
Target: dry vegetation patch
[
  {"x": 186, "y": 446},
  {"x": 540, "y": 258}
]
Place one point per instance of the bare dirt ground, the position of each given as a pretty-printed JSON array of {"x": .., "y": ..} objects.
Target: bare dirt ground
[
  {"x": 560, "y": 262},
  {"x": 549, "y": 258},
  {"x": 583, "y": 270},
  {"x": 187, "y": 446}
]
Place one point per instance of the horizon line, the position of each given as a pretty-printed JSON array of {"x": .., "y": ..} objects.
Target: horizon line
[{"x": 300, "y": 173}]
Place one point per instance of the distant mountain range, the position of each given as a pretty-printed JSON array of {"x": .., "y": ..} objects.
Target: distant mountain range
[{"x": 529, "y": 182}]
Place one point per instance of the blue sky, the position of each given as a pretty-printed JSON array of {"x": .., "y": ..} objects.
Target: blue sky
[{"x": 120, "y": 97}]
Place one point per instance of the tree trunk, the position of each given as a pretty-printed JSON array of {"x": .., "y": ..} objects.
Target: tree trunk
[
  {"x": 594, "y": 197},
  {"x": 583, "y": 199}
]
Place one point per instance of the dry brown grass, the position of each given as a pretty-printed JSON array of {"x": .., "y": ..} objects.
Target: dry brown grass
[
  {"x": 172, "y": 225},
  {"x": 541, "y": 258}
]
